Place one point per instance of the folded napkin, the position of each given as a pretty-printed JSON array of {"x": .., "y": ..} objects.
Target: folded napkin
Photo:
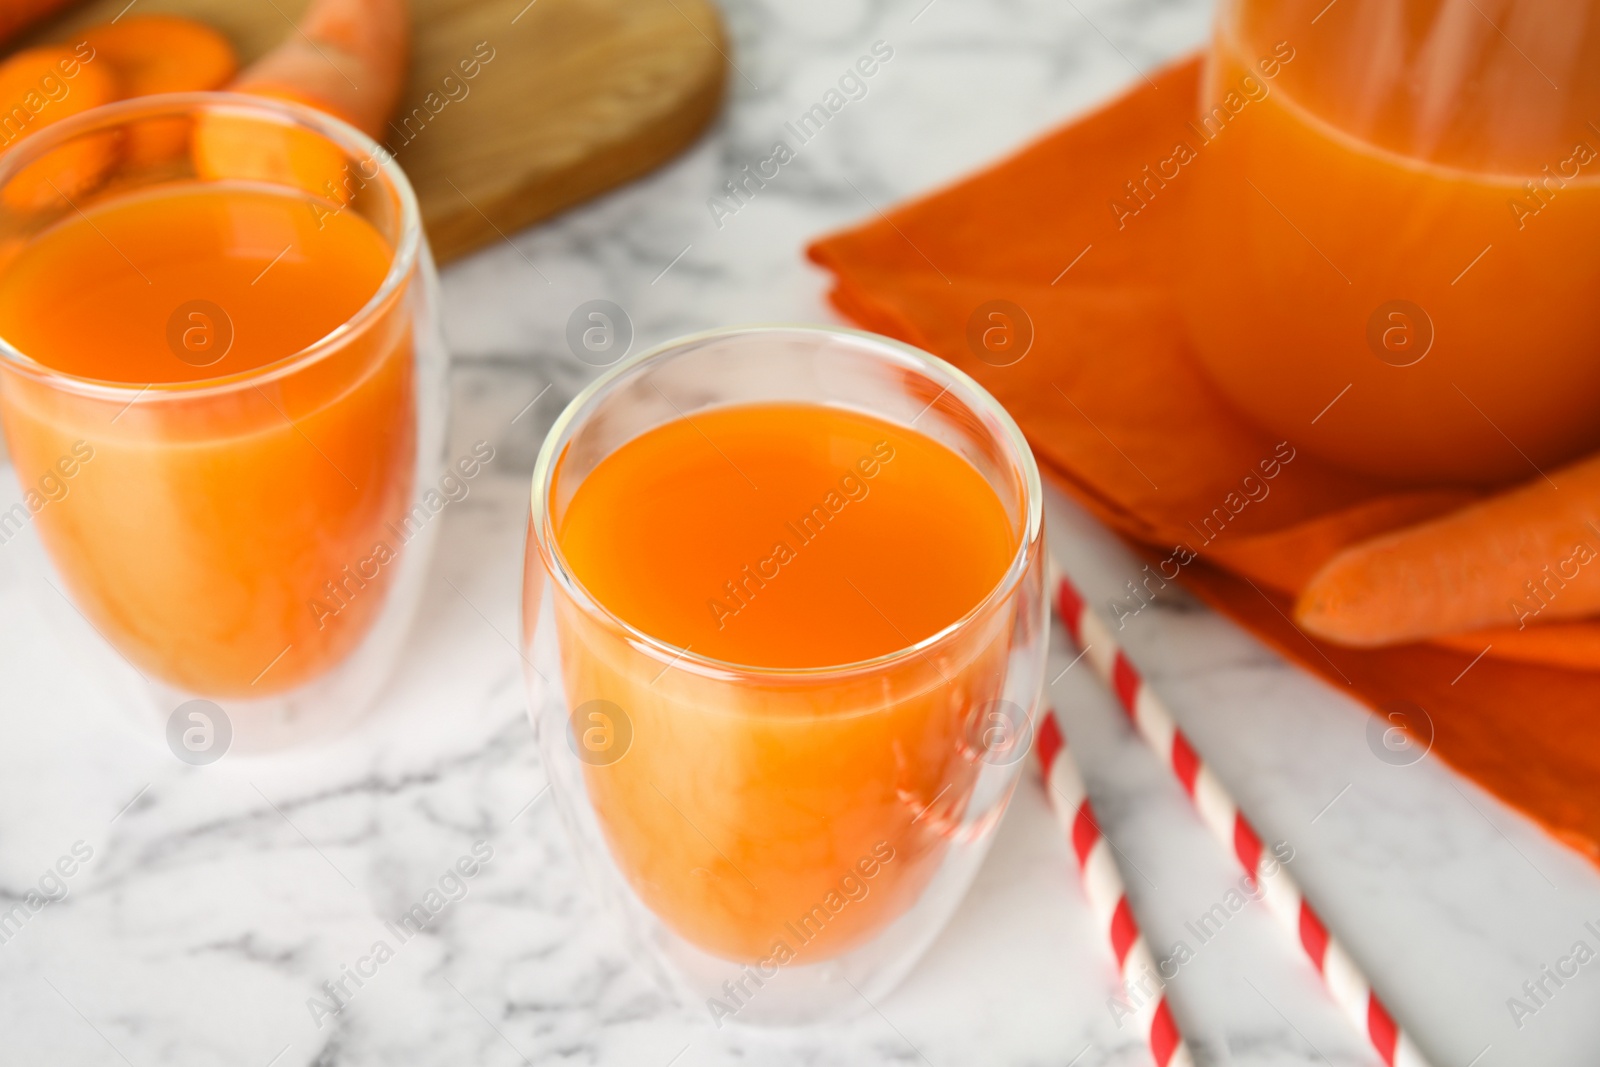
[{"x": 1120, "y": 416}]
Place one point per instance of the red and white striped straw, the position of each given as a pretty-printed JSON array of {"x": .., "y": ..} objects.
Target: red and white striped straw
[
  {"x": 1108, "y": 898},
  {"x": 1344, "y": 979}
]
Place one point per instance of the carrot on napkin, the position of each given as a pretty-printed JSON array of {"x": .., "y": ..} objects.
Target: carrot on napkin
[{"x": 1520, "y": 556}]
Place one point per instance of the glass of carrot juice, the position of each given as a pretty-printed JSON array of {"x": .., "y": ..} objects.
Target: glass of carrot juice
[
  {"x": 785, "y": 626},
  {"x": 221, "y": 380}
]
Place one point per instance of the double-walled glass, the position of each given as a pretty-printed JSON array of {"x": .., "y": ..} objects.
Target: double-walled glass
[
  {"x": 782, "y": 843},
  {"x": 256, "y": 540}
]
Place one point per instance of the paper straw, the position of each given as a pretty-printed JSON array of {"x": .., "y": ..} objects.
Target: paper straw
[
  {"x": 1108, "y": 898},
  {"x": 1346, "y": 981}
]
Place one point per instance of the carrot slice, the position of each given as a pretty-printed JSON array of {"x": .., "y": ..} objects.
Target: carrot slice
[
  {"x": 347, "y": 57},
  {"x": 1529, "y": 554},
  {"x": 162, "y": 54},
  {"x": 15, "y": 15},
  {"x": 42, "y": 86}
]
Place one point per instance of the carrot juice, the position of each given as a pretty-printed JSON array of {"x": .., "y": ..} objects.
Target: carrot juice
[
  {"x": 227, "y": 539},
  {"x": 1393, "y": 232},
  {"x": 760, "y": 802}
]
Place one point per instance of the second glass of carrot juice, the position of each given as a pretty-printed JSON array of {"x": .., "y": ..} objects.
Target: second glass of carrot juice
[
  {"x": 221, "y": 381},
  {"x": 785, "y": 623}
]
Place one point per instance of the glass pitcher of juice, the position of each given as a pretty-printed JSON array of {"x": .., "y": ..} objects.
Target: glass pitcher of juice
[
  {"x": 1393, "y": 231},
  {"x": 221, "y": 386},
  {"x": 785, "y": 625}
]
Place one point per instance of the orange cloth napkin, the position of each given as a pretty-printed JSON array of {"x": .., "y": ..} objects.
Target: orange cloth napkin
[{"x": 1120, "y": 416}]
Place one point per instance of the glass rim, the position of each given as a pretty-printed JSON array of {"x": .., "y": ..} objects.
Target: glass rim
[
  {"x": 931, "y": 366},
  {"x": 287, "y": 112}
]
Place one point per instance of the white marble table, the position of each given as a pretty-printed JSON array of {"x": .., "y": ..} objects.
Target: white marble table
[{"x": 217, "y": 899}]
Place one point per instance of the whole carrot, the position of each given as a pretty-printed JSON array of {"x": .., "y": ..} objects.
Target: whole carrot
[
  {"x": 346, "y": 57},
  {"x": 1531, "y": 553}
]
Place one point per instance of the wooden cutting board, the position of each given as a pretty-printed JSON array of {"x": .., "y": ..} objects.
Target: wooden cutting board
[{"x": 579, "y": 97}]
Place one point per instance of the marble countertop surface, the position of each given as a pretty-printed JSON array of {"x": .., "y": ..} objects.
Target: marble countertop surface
[{"x": 215, "y": 900}]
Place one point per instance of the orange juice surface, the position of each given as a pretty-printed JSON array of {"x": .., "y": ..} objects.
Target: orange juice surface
[
  {"x": 94, "y": 297},
  {"x": 232, "y": 540},
  {"x": 784, "y": 536}
]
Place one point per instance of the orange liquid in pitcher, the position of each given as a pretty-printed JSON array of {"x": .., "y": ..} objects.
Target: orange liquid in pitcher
[
  {"x": 772, "y": 811},
  {"x": 226, "y": 543},
  {"x": 1395, "y": 207}
]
